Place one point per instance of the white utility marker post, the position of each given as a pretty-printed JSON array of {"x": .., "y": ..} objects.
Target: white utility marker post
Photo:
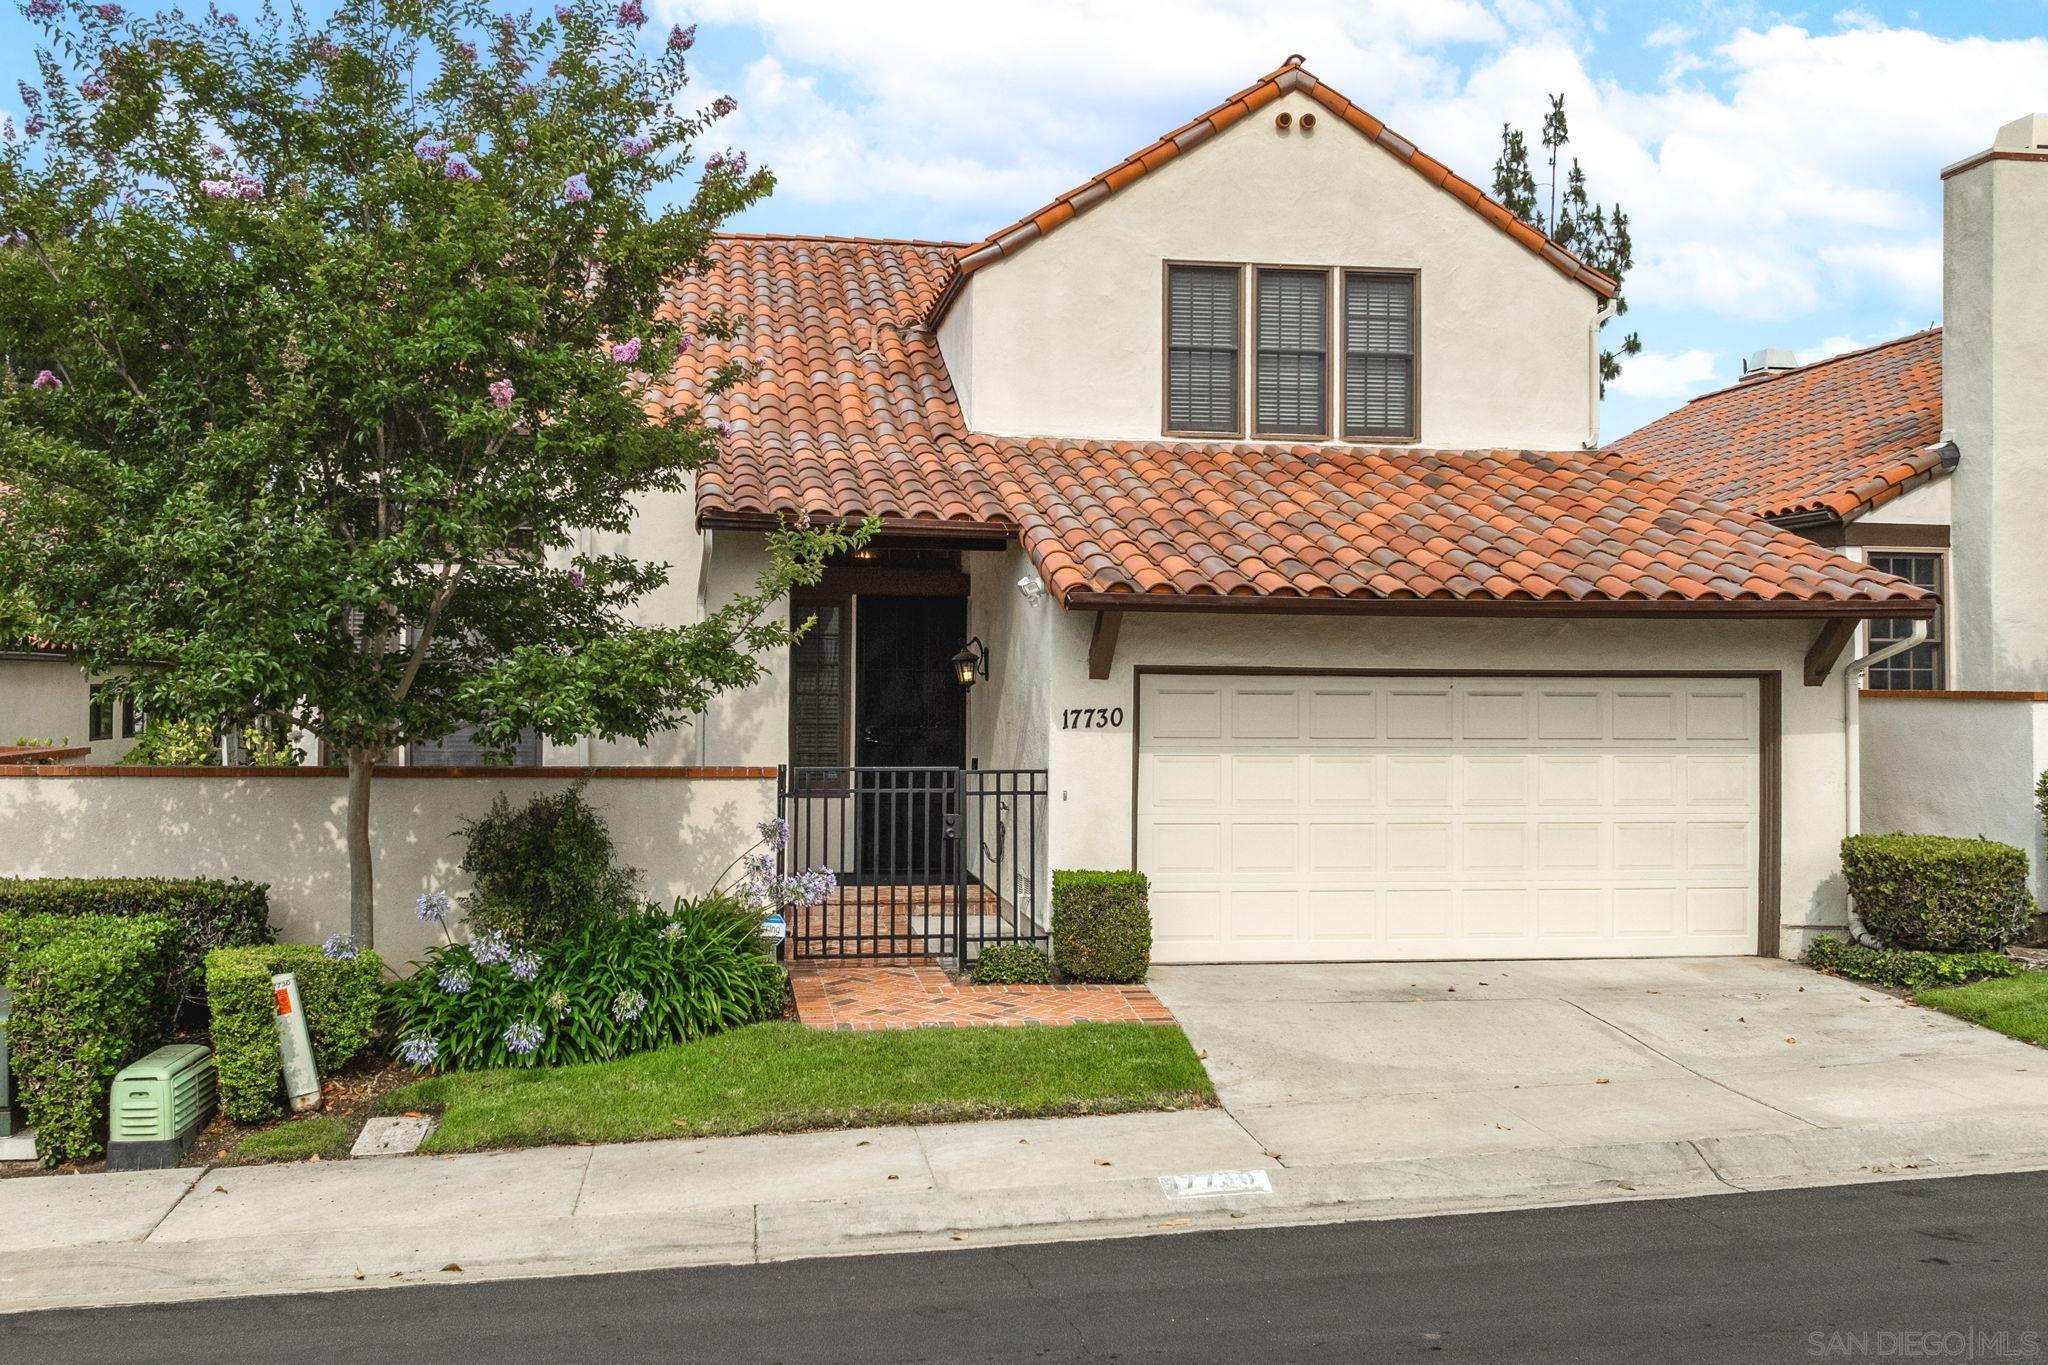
[{"x": 295, "y": 1045}]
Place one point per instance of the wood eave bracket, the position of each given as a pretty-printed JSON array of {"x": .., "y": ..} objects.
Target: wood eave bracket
[
  {"x": 1828, "y": 645},
  {"x": 1102, "y": 643}
]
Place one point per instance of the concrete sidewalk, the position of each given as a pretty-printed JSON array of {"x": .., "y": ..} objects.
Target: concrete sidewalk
[{"x": 171, "y": 1235}]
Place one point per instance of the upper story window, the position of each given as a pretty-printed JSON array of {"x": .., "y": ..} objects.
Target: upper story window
[
  {"x": 1202, "y": 332},
  {"x": 1330, "y": 353},
  {"x": 1924, "y": 667}
]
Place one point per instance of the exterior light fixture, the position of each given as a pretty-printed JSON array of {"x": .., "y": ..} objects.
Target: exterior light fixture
[
  {"x": 1033, "y": 588},
  {"x": 971, "y": 662}
]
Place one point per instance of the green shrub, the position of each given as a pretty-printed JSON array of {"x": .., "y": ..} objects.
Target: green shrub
[
  {"x": 175, "y": 744},
  {"x": 89, "y": 998},
  {"x": 1935, "y": 894},
  {"x": 543, "y": 868},
  {"x": 340, "y": 996},
  {"x": 1012, "y": 964},
  {"x": 1904, "y": 968},
  {"x": 612, "y": 985},
  {"x": 211, "y": 914},
  {"x": 1102, "y": 925}
]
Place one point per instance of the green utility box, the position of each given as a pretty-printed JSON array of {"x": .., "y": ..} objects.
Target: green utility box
[
  {"x": 9, "y": 1125},
  {"x": 160, "y": 1104}
]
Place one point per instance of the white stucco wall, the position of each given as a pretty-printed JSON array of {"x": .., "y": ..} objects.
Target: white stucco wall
[
  {"x": 1927, "y": 505},
  {"x": 1092, "y": 770},
  {"x": 1009, "y": 712},
  {"x": 52, "y": 699},
  {"x": 1064, "y": 337},
  {"x": 1954, "y": 765},
  {"x": 286, "y": 829},
  {"x": 1994, "y": 339}
]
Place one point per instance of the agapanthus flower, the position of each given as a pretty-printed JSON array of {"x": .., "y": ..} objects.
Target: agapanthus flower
[
  {"x": 558, "y": 1002},
  {"x": 420, "y": 1050},
  {"x": 774, "y": 830},
  {"x": 431, "y": 149},
  {"x": 525, "y": 966},
  {"x": 576, "y": 188},
  {"x": 627, "y": 351},
  {"x": 673, "y": 930},
  {"x": 524, "y": 1038},
  {"x": 45, "y": 380},
  {"x": 340, "y": 948},
  {"x": 434, "y": 906},
  {"x": 43, "y": 9},
  {"x": 489, "y": 948},
  {"x": 631, "y": 15},
  {"x": 634, "y": 145},
  {"x": 457, "y": 167},
  {"x": 813, "y": 886},
  {"x": 455, "y": 980},
  {"x": 93, "y": 87},
  {"x": 682, "y": 39},
  {"x": 628, "y": 1006}
]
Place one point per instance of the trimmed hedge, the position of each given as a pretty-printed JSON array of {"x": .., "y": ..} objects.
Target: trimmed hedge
[
  {"x": 1932, "y": 893},
  {"x": 212, "y": 914},
  {"x": 1906, "y": 969},
  {"x": 1012, "y": 964},
  {"x": 1102, "y": 925},
  {"x": 340, "y": 997},
  {"x": 89, "y": 998}
]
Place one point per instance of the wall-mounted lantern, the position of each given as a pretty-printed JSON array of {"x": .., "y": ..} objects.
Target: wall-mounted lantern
[{"x": 971, "y": 662}]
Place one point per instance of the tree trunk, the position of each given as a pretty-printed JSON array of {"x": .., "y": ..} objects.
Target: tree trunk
[{"x": 362, "y": 900}]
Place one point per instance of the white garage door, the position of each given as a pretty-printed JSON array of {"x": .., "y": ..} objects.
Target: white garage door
[{"x": 1324, "y": 818}]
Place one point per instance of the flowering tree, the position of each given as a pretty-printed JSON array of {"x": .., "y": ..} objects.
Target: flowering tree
[{"x": 328, "y": 346}]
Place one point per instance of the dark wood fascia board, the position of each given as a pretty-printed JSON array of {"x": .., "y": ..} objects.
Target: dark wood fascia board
[
  {"x": 1828, "y": 644},
  {"x": 976, "y": 535},
  {"x": 1606, "y": 608},
  {"x": 1102, "y": 644}
]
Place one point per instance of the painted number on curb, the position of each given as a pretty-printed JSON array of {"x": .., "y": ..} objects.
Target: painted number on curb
[{"x": 1210, "y": 1184}]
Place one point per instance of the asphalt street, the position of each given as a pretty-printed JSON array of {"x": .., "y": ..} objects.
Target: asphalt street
[{"x": 1928, "y": 1269}]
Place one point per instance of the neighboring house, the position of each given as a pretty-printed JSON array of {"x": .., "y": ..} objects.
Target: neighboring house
[
  {"x": 1926, "y": 457},
  {"x": 45, "y": 696},
  {"x": 1253, "y": 487}
]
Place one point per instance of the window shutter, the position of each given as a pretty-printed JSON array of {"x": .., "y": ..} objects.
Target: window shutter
[
  {"x": 1293, "y": 333},
  {"x": 1379, "y": 355},
  {"x": 1201, "y": 349}
]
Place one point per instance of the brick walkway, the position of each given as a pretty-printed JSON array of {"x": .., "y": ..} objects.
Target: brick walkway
[{"x": 924, "y": 996}]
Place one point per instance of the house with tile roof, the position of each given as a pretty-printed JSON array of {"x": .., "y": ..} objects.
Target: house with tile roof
[
  {"x": 1248, "y": 502},
  {"x": 1925, "y": 457}
]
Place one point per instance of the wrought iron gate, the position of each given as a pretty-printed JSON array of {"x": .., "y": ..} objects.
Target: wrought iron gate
[{"x": 931, "y": 862}]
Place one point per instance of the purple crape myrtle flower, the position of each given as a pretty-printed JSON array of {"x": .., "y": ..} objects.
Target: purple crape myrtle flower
[
  {"x": 628, "y": 1006},
  {"x": 467, "y": 50},
  {"x": 576, "y": 188},
  {"x": 420, "y": 1050},
  {"x": 455, "y": 980},
  {"x": 520, "y": 144},
  {"x": 576, "y": 579},
  {"x": 339, "y": 948},
  {"x": 563, "y": 14},
  {"x": 93, "y": 87},
  {"x": 525, "y": 966},
  {"x": 721, "y": 426},
  {"x": 501, "y": 394},
  {"x": 240, "y": 185},
  {"x": 636, "y": 146},
  {"x": 431, "y": 150},
  {"x": 490, "y": 948},
  {"x": 524, "y": 1038},
  {"x": 631, "y": 14},
  {"x": 723, "y": 105},
  {"x": 434, "y": 906},
  {"x": 627, "y": 351},
  {"x": 682, "y": 39},
  {"x": 43, "y": 9},
  {"x": 457, "y": 167},
  {"x": 324, "y": 49},
  {"x": 683, "y": 346},
  {"x": 216, "y": 152},
  {"x": 33, "y": 125},
  {"x": 30, "y": 96},
  {"x": 15, "y": 240},
  {"x": 45, "y": 380},
  {"x": 109, "y": 13}
]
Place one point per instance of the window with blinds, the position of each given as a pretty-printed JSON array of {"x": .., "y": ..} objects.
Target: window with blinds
[
  {"x": 1202, "y": 332},
  {"x": 1292, "y": 377},
  {"x": 1379, "y": 356}
]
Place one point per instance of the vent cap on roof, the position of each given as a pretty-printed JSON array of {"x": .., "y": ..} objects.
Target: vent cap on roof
[
  {"x": 2029, "y": 134},
  {"x": 1770, "y": 360}
]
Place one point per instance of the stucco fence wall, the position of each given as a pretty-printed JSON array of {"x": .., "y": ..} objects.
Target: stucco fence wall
[
  {"x": 680, "y": 826},
  {"x": 1956, "y": 763}
]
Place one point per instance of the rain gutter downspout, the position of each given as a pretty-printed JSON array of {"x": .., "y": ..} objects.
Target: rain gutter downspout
[{"x": 1601, "y": 314}]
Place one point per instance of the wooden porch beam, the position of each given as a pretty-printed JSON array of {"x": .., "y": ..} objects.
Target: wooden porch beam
[
  {"x": 1102, "y": 643},
  {"x": 1828, "y": 645}
]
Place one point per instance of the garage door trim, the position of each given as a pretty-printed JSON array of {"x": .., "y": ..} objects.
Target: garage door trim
[{"x": 1770, "y": 819}]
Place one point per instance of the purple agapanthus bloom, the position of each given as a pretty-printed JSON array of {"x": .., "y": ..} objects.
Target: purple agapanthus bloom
[
  {"x": 457, "y": 167},
  {"x": 420, "y": 1050},
  {"x": 631, "y": 14},
  {"x": 434, "y": 906},
  {"x": 636, "y": 146},
  {"x": 682, "y": 39},
  {"x": 430, "y": 150},
  {"x": 339, "y": 948},
  {"x": 489, "y": 948},
  {"x": 456, "y": 980},
  {"x": 628, "y": 1006},
  {"x": 501, "y": 394},
  {"x": 576, "y": 188},
  {"x": 626, "y": 352},
  {"x": 774, "y": 830},
  {"x": 524, "y": 1038},
  {"x": 45, "y": 380},
  {"x": 525, "y": 966}
]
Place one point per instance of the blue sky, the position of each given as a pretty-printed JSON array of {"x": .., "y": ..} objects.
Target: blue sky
[{"x": 1781, "y": 165}]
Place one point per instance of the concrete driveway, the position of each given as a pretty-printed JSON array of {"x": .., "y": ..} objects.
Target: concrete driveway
[{"x": 1327, "y": 1064}]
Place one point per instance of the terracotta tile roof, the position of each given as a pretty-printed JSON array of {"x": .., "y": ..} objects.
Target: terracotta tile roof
[
  {"x": 1832, "y": 439},
  {"x": 855, "y": 415},
  {"x": 1288, "y": 77}
]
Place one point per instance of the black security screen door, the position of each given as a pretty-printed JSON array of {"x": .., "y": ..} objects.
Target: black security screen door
[{"x": 909, "y": 712}]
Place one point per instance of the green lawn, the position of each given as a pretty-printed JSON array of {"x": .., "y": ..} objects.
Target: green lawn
[
  {"x": 2015, "y": 1005},
  {"x": 320, "y": 1136},
  {"x": 783, "y": 1077}
]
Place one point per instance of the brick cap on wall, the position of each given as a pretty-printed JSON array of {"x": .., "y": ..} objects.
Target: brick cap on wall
[{"x": 713, "y": 774}]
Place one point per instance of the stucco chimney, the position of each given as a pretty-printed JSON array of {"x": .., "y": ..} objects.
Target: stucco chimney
[{"x": 1994, "y": 347}]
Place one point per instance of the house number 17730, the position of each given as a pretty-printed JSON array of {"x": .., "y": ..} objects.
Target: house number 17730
[{"x": 1092, "y": 718}]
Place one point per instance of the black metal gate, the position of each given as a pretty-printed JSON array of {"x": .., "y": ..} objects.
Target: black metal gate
[{"x": 931, "y": 861}]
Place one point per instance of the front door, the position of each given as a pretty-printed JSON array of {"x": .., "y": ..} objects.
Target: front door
[{"x": 909, "y": 713}]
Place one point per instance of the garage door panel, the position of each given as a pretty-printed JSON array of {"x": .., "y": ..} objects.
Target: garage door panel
[
  {"x": 1338, "y": 780},
  {"x": 1494, "y": 780},
  {"x": 1193, "y": 918},
  {"x": 1185, "y": 711},
  {"x": 1419, "y": 780},
  {"x": 1495, "y": 714},
  {"x": 1419, "y": 713},
  {"x": 1265, "y": 846},
  {"x": 1422, "y": 913},
  {"x": 1263, "y": 916},
  {"x": 1495, "y": 913},
  {"x": 1567, "y": 780},
  {"x": 1419, "y": 847},
  {"x": 1347, "y": 915},
  {"x": 1719, "y": 715},
  {"x": 1642, "y": 846},
  {"x": 1336, "y": 848},
  {"x": 1719, "y": 780},
  {"x": 1645, "y": 714},
  {"x": 1189, "y": 781},
  {"x": 1265, "y": 780},
  {"x": 1642, "y": 781},
  {"x": 1265, "y": 714},
  {"x": 1343, "y": 713},
  {"x": 1188, "y": 847},
  {"x": 1569, "y": 714}
]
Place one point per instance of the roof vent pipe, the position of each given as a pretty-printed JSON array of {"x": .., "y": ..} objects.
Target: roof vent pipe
[{"x": 1770, "y": 360}]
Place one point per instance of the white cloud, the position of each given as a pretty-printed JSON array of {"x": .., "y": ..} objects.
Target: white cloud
[
  {"x": 1912, "y": 268},
  {"x": 1829, "y": 346},
  {"x": 1667, "y": 35},
  {"x": 1662, "y": 375}
]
